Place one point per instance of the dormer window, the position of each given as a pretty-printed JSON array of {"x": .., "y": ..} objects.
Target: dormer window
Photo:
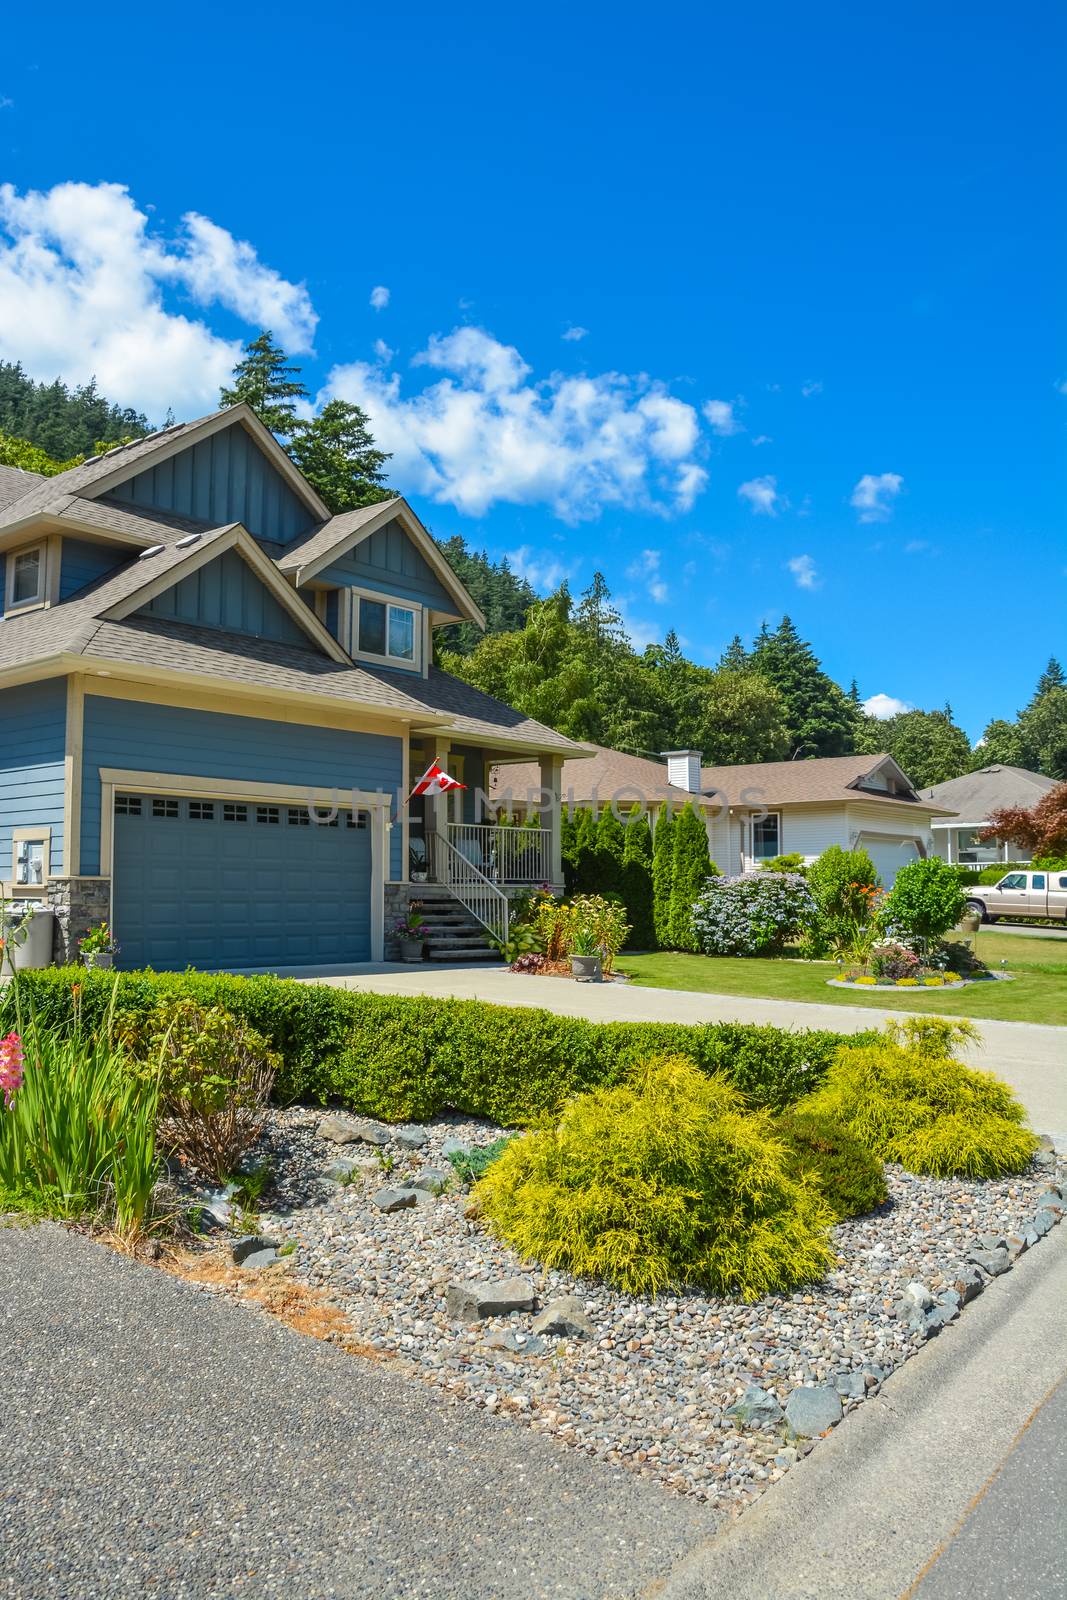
[
  {"x": 25, "y": 578},
  {"x": 384, "y": 630}
]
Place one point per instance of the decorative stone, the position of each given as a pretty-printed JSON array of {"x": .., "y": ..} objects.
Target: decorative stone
[
  {"x": 787, "y": 1457},
  {"x": 850, "y": 1385},
  {"x": 1013, "y": 1243},
  {"x": 809, "y": 1412},
  {"x": 756, "y": 1409},
  {"x": 411, "y": 1138},
  {"x": 1051, "y": 1200},
  {"x": 1044, "y": 1222},
  {"x": 920, "y": 1295},
  {"x": 566, "y": 1318},
  {"x": 432, "y": 1179},
  {"x": 968, "y": 1284},
  {"x": 941, "y": 1315},
  {"x": 473, "y": 1302},
  {"x": 250, "y": 1244},
  {"x": 347, "y": 1130},
  {"x": 389, "y": 1199},
  {"x": 260, "y": 1258},
  {"x": 519, "y": 1344},
  {"x": 992, "y": 1261},
  {"x": 348, "y": 1171},
  {"x": 455, "y": 1147}
]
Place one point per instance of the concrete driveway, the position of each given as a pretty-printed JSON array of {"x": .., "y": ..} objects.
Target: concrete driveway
[{"x": 1031, "y": 1057}]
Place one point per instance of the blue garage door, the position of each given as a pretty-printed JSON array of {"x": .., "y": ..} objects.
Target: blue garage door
[{"x": 230, "y": 884}]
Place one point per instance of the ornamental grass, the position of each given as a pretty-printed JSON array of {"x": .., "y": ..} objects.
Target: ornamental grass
[{"x": 667, "y": 1179}]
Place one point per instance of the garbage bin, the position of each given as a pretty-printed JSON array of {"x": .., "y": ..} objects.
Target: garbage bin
[{"x": 31, "y": 949}]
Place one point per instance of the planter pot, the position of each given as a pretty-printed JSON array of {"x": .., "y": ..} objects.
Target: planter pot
[
  {"x": 418, "y": 877},
  {"x": 587, "y": 969},
  {"x": 104, "y": 959},
  {"x": 411, "y": 949}
]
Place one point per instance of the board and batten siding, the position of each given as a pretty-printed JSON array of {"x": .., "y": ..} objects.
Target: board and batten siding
[
  {"x": 223, "y": 478},
  {"x": 389, "y": 563},
  {"x": 226, "y": 593},
  {"x": 82, "y": 561},
  {"x": 140, "y": 736},
  {"x": 33, "y": 721}
]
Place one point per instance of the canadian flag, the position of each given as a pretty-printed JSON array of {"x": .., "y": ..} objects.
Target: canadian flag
[{"x": 435, "y": 780}]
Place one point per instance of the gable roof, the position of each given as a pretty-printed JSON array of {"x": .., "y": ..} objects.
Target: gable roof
[
  {"x": 768, "y": 783},
  {"x": 15, "y": 482},
  {"x": 974, "y": 795},
  {"x": 306, "y": 557}
]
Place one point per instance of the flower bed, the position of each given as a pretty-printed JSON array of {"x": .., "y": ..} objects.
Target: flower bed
[{"x": 929, "y": 980}]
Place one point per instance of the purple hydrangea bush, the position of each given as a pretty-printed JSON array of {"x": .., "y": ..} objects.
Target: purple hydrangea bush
[{"x": 754, "y": 914}]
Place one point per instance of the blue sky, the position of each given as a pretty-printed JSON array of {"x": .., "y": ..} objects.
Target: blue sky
[{"x": 756, "y": 309}]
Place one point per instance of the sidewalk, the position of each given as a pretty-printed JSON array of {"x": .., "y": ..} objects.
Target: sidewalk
[{"x": 1031, "y": 1057}]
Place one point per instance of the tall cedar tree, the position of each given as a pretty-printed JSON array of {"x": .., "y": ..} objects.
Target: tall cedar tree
[
  {"x": 337, "y": 455},
  {"x": 1052, "y": 678},
  {"x": 821, "y": 719},
  {"x": 567, "y": 831},
  {"x": 637, "y": 880},
  {"x": 610, "y": 842},
  {"x": 692, "y": 868},
  {"x": 662, "y": 876},
  {"x": 269, "y": 382},
  {"x": 583, "y": 854},
  {"x": 505, "y": 598}
]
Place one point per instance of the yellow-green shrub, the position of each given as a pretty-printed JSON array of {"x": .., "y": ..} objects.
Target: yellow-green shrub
[
  {"x": 907, "y": 1099},
  {"x": 664, "y": 1180}
]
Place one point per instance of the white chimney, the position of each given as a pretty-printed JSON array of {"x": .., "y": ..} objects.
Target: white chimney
[{"x": 683, "y": 769}]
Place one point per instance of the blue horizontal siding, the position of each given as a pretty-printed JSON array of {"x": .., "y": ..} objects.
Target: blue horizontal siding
[
  {"x": 33, "y": 724},
  {"x": 224, "y": 478},
  {"x": 226, "y": 593},
  {"x": 82, "y": 562},
  {"x": 389, "y": 562},
  {"x": 149, "y": 738}
]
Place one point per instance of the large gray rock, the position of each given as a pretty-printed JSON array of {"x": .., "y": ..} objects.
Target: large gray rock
[
  {"x": 348, "y": 1171},
  {"x": 919, "y": 1295},
  {"x": 473, "y": 1302},
  {"x": 517, "y": 1344},
  {"x": 992, "y": 1261},
  {"x": 431, "y": 1179},
  {"x": 756, "y": 1409},
  {"x": 1044, "y": 1221},
  {"x": 851, "y": 1385},
  {"x": 1051, "y": 1200},
  {"x": 411, "y": 1138},
  {"x": 390, "y": 1199},
  {"x": 809, "y": 1412},
  {"x": 455, "y": 1147},
  {"x": 968, "y": 1284},
  {"x": 260, "y": 1258},
  {"x": 353, "y": 1130},
  {"x": 565, "y": 1318},
  {"x": 250, "y": 1244}
]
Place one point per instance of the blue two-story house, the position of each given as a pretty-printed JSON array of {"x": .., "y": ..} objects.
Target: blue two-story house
[{"x": 214, "y": 698}]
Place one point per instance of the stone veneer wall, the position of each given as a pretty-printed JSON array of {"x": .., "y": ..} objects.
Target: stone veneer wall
[{"x": 79, "y": 904}]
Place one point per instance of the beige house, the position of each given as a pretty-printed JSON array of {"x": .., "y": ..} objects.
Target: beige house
[{"x": 752, "y": 812}]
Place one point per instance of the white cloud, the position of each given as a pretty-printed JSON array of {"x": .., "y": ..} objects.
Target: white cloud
[
  {"x": 803, "y": 570},
  {"x": 915, "y": 547},
  {"x": 640, "y": 633},
  {"x": 379, "y": 297},
  {"x": 646, "y": 570},
  {"x": 82, "y": 284},
  {"x": 761, "y": 494},
  {"x": 573, "y": 334},
  {"x": 544, "y": 573},
  {"x": 720, "y": 417},
  {"x": 874, "y": 494},
  {"x": 813, "y": 386},
  {"x": 762, "y": 438},
  {"x": 884, "y": 706},
  {"x": 382, "y": 351},
  {"x": 487, "y": 432}
]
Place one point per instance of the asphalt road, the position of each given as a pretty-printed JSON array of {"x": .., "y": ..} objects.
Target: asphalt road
[{"x": 158, "y": 1441}]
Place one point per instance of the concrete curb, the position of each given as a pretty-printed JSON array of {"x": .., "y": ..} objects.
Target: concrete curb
[{"x": 866, "y": 1513}]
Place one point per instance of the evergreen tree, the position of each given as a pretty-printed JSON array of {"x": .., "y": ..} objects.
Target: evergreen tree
[
  {"x": 610, "y": 842},
  {"x": 64, "y": 423},
  {"x": 821, "y": 719},
  {"x": 337, "y": 455},
  {"x": 854, "y": 692},
  {"x": 504, "y": 598},
  {"x": 691, "y": 870},
  {"x": 735, "y": 657},
  {"x": 662, "y": 876},
  {"x": 637, "y": 880},
  {"x": 1052, "y": 678},
  {"x": 566, "y": 846},
  {"x": 583, "y": 853},
  {"x": 269, "y": 382}
]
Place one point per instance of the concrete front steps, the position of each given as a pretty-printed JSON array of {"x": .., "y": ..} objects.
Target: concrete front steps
[{"x": 452, "y": 934}]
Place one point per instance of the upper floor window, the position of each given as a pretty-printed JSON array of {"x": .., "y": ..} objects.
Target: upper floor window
[
  {"x": 385, "y": 630},
  {"x": 25, "y": 577}
]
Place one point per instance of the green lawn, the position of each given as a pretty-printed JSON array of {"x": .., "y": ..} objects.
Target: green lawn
[{"x": 1038, "y": 994}]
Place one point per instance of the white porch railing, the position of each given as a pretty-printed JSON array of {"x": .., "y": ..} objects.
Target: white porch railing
[
  {"x": 504, "y": 855},
  {"x": 469, "y": 885}
]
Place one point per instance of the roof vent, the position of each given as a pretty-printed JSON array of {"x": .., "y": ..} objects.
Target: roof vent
[
  {"x": 153, "y": 550},
  {"x": 683, "y": 769},
  {"x": 190, "y": 538}
]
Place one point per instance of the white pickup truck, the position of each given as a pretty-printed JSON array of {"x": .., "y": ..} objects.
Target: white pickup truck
[{"x": 1021, "y": 894}]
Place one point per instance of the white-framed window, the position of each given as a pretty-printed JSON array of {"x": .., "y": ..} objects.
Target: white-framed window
[
  {"x": 766, "y": 836},
  {"x": 31, "y": 849},
  {"x": 25, "y": 577},
  {"x": 383, "y": 629}
]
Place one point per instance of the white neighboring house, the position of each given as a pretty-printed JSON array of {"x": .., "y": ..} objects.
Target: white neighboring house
[
  {"x": 753, "y": 812},
  {"x": 964, "y": 807}
]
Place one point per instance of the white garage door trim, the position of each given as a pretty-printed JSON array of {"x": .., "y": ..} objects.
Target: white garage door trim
[{"x": 379, "y": 805}]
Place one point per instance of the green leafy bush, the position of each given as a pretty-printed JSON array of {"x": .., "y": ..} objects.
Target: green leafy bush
[
  {"x": 840, "y": 881},
  {"x": 753, "y": 914},
  {"x": 407, "y": 1058},
  {"x": 789, "y": 863},
  {"x": 906, "y": 1098},
  {"x": 926, "y": 899},
  {"x": 851, "y": 1178},
  {"x": 664, "y": 1180}
]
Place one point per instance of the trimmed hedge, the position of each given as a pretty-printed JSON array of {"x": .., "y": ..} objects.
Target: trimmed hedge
[{"x": 408, "y": 1058}]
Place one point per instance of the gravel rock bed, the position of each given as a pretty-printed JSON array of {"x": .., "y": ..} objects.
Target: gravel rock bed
[{"x": 650, "y": 1388}]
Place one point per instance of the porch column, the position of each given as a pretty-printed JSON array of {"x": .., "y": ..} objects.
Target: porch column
[
  {"x": 552, "y": 812},
  {"x": 439, "y": 749}
]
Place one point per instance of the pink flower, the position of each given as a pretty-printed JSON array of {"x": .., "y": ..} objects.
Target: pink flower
[{"x": 10, "y": 1067}]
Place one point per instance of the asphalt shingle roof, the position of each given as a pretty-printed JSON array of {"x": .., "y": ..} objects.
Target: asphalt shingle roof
[
  {"x": 974, "y": 795},
  {"x": 15, "y": 482},
  {"x": 325, "y": 535}
]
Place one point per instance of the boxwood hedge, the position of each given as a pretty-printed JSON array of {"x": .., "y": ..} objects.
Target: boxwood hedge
[{"x": 403, "y": 1058}]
